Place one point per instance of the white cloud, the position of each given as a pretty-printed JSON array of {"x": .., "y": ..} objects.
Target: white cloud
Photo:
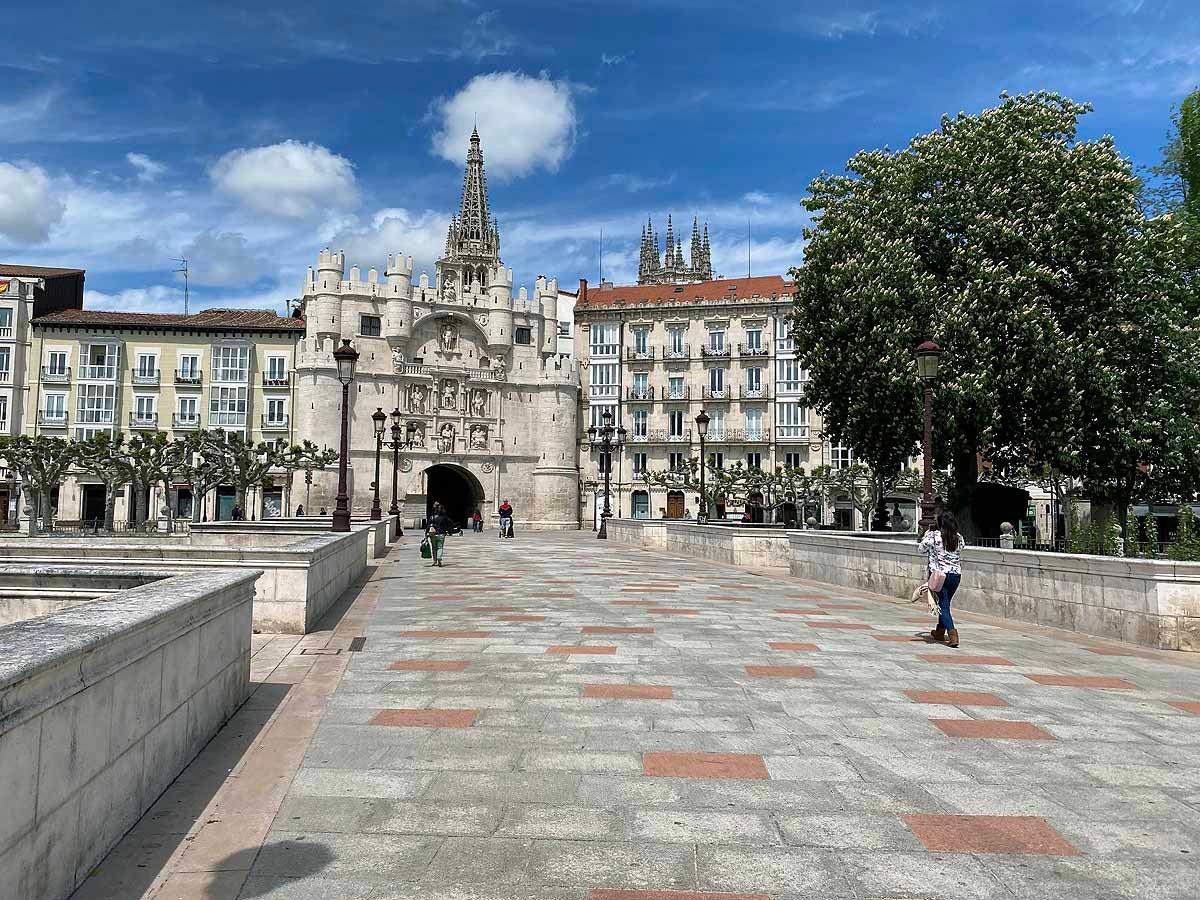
[
  {"x": 222, "y": 258},
  {"x": 291, "y": 179},
  {"x": 757, "y": 198},
  {"x": 156, "y": 298},
  {"x": 419, "y": 235},
  {"x": 632, "y": 183},
  {"x": 524, "y": 122},
  {"x": 147, "y": 168},
  {"x": 29, "y": 206},
  {"x": 613, "y": 59}
]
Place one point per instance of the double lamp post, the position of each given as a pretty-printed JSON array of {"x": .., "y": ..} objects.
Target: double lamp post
[
  {"x": 379, "y": 418},
  {"x": 605, "y": 439}
]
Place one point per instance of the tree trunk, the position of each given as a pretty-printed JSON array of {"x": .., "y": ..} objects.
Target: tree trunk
[
  {"x": 110, "y": 504},
  {"x": 966, "y": 478}
]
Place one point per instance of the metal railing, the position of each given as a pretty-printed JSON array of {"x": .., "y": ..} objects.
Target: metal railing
[
  {"x": 716, "y": 393},
  {"x": 144, "y": 376},
  {"x": 180, "y": 421},
  {"x": 150, "y": 528},
  {"x": 708, "y": 352},
  {"x": 747, "y": 350},
  {"x": 670, "y": 393},
  {"x": 189, "y": 376},
  {"x": 62, "y": 376},
  {"x": 646, "y": 393},
  {"x": 275, "y": 423},
  {"x": 276, "y": 381},
  {"x": 634, "y": 355},
  {"x": 53, "y": 418},
  {"x": 143, "y": 420},
  {"x": 683, "y": 351},
  {"x": 749, "y": 393}
]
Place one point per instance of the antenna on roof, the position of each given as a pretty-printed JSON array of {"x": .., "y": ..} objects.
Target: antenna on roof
[
  {"x": 184, "y": 270},
  {"x": 602, "y": 256},
  {"x": 747, "y": 246}
]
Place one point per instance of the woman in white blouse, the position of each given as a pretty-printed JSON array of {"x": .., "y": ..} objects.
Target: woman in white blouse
[{"x": 943, "y": 545}]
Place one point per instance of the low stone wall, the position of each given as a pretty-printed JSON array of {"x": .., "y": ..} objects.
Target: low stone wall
[
  {"x": 283, "y": 532},
  {"x": 751, "y": 548},
  {"x": 299, "y": 579},
  {"x": 101, "y": 708},
  {"x": 1155, "y": 603},
  {"x": 26, "y": 593}
]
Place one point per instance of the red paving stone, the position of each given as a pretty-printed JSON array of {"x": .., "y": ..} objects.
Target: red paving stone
[
  {"x": 739, "y": 766},
  {"x": 627, "y": 692},
  {"x": 991, "y": 728},
  {"x": 802, "y": 612},
  {"x": 445, "y": 634},
  {"x": 616, "y": 629},
  {"x": 922, "y": 620},
  {"x": 782, "y": 671},
  {"x": 791, "y": 645},
  {"x": 672, "y": 611},
  {"x": 622, "y": 894},
  {"x": 585, "y": 651},
  {"x": 429, "y": 665},
  {"x": 426, "y": 718},
  {"x": 962, "y": 659},
  {"x": 523, "y": 618},
  {"x": 988, "y": 834},
  {"x": 851, "y": 625},
  {"x": 1191, "y": 706},
  {"x": 1088, "y": 681},
  {"x": 956, "y": 698},
  {"x": 732, "y": 599}
]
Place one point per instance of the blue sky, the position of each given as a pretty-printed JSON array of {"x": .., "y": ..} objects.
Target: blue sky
[{"x": 249, "y": 138}]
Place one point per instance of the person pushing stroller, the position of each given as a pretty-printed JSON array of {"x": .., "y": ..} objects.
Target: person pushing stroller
[{"x": 506, "y": 519}]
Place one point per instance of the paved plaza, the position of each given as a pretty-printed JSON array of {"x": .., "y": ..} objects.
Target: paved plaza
[{"x": 559, "y": 717}]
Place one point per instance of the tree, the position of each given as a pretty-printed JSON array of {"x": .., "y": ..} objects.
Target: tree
[
  {"x": 244, "y": 463},
  {"x": 103, "y": 456},
  {"x": 157, "y": 460},
  {"x": 42, "y": 462},
  {"x": 308, "y": 456},
  {"x": 204, "y": 467},
  {"x": 1001, "y": 237},
  {"x": 737, "y": 483},
  {"x": 1175, "y": 182}
]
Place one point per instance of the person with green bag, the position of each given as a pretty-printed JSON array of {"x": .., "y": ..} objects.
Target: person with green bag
[{"x": 439, "y": 526}]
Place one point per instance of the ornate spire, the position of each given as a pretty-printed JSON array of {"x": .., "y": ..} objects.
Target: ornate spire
[
  {"x": 669, "y": 259},
  {"x": 473, "y": 233}
]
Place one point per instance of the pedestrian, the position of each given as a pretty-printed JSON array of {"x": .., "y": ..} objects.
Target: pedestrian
[
  {"x": 944, "y": 545},
  {"x": 237, "y": 515},
  {"x": 323, "y": 512},
  {"x": 300, "y": 511},
  {"x": 477, "y": 522},
  {"x": 506, "y": 519},
  {"x": 439, "y": 526}
]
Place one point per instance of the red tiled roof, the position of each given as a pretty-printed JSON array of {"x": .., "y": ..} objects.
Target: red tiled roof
[
  {"x": 208, "y": 319},
  {"x": 35, "y": 271},
  {"x": 725, "y": 289}
]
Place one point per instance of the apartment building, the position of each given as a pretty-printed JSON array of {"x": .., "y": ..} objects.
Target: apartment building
[
  {"x": 101, "y": 371},
  {"x": 655, "y": 355}
]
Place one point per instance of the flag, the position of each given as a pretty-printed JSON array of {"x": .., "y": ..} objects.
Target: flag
[{"x": 4, "y": 286}]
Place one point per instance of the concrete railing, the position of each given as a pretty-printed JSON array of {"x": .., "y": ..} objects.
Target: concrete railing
[
  {"x": 280, "y": 532},
  {"x": 752, "y": 548},
  {"x": 102, "y": 706}
]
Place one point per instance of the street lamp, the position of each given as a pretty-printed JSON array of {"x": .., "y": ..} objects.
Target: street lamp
[
  {"x": 378, "y": 419},
  {"x": 395, "y": 445},
  {"x": 604, "y": 439},
  {"x": 928, "y": 355},
  {"x": 702, "y": 430},
  {"x": 346, "y": 358}
]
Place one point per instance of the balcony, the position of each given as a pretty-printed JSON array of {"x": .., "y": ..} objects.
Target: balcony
[
  {"x": 740, "y": 436},
  {"x": 274, "y": 423},
  {"x": 639, "y": 394},
  {"x": 5, "y": 376},
  {"x": 635, "y": 355},
  {"x": 791, "y": 432},
  {"x": 144, "y": 420},
  {"x": 678, "y": 394},
  {"x": 680, "y": 351},
  {"x": 189, "y": 376},
  {"x": 185, "y": 421},
  {"x": 144, "y": 377},
  {"x": 790, "y": 388},
  {"x": 708, "y": 352},
  {"x": 6, "y": 331},
  {"x": 749, "y": 393},
  {"x": 52, "y": 418},
  {"x": 98, "y": 373},
  {"x": 747, "y": 350},
  {"x": 664, "y": 436},
  {"x": 784, "y": 345},
  {"x": 276, "y": 380},
  {"x": 227, "y": 419},
  {"x": 56, "y": 376},
  {"x": 716, "y": 393}
]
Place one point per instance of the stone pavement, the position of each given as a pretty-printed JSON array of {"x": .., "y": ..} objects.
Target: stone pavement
[{"x": 559, "y": 717}]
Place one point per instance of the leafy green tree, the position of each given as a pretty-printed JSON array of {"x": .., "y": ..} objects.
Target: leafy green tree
[
  {"x": 1174, "y": 185},
  {"x": 1002, "y": 237},
  {"x": 157, "y": 460},
  {"x": 103, "y": 456},
  {"x": 42, "y": 462}
]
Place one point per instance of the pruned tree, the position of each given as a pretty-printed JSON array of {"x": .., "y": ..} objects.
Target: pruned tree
[
  {"x": 157, "y": 460},
  {"x": 42, "y": 462},
  {"x": 204, "y": 467},
  {"x": 307, "y": 456},
  {"x": 104, "y": 457}
]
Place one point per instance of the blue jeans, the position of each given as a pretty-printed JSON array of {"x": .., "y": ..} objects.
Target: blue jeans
[{"x": 944, "y": 596}]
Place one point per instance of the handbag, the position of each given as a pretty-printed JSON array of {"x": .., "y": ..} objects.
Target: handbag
[
  {"x": 426, "y": 549},
  {"x": 936, "y": 580}
]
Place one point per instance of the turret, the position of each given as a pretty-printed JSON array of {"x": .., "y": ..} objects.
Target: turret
[
  {"x": 500, "y": 314},
  {"x": 328, "y": 306},
  {"x": 547, "y": 301},
  {"x": 399, "y": 297}
]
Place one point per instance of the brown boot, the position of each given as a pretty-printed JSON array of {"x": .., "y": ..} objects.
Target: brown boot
[
  {"x": 952, "y": 637},
  {"x": 938, "y": 634}
]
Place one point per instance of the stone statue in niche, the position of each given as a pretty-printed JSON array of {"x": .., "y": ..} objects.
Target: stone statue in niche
[
  {"x": 446, "y": 438},
  {"x": 448, "y": 294},
  {"x": 416, "y": 399},
  {"x": 418, "y": 434},
  {"x": 479, "y": 437},
  {"x": 397, "y": 359},
  {"x": 498, "y": 364},
  {"x": 479, "y": 403},
  {"x": 449, "y": 337},
  {"x": 449, "y": 394}
]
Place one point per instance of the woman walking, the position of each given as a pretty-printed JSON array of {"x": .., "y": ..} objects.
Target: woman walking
[
  {"x": 943, "y": 545},
  {"x": 439, "y": 526}
]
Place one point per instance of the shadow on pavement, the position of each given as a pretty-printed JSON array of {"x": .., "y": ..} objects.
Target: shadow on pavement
[{"x": 276, "y": 861}]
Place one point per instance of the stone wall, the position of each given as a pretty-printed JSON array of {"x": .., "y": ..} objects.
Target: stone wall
[
  {"x": 102, "y": 706},
  {"x": 751, "y": 548},
  {"x": 27, "y": 593}
]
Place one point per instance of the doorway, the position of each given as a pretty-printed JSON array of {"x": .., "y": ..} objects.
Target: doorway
[
  {"x": 675, "y": 504},
  {"x": 226, "y": 500},
  {"x": 641, "y": 505},
  {"x": 456, "y": 489},
  {"x": 92, "y": 510}
]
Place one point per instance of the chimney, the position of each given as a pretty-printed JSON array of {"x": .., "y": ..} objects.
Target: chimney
[{"x": 582, "y": 299}]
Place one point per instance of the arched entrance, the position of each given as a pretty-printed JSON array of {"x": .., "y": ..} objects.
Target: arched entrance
[{"x": 456, "y": 489}]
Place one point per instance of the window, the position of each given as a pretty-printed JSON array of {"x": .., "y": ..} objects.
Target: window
[
  {"x": 188, "y": 411},
  {"x": 754, "y": 379},
  {"x": 674, "y": 461},
  {"x": 522, "y": 335},
  {"x": 603, "y": 339},
  {"x": 716, "y": 340},
  {"x": 101, "y": 361},
  {"x": 144, "y": 409},
  {"x": 603, "y": 380},
  {"x": 55, "y": 406},
  {"x": 227, "y": 406},
  {"x": 641, "y": 384},
  {"x": 675, "y": 389},
  {"x": 96, "y": 404},
  {"x": 230, "y": 364},
  {"x": 639, "y": 463},
  {"x": 716, "y": 381},
  {"x": 754, "y": 339},
  {"x": 604, "y": 463},
  {"x": 641, "y": 340},
  {"x": 753, "y": 460},
  {"x": 783, "y": 336},
  {"x": 4, "y": 412},
  {"x": 793, "y": 460},
  {"x": 640, "y": 422},
  {"x": 793, "y": 420},
  {"x": 56, "y": 362},
  {"x": 675, "y": 335},
  {"x": 277, "y": 369},
  {"x": 369, "y": 326},
  {"x": 598, "y": 412},
  {"x": 716, "y": 425},
  {"x": 564, "y": 329},
  {"x": 789, "y": 376},
  {"x": 716, "y": 460},
  {"x": 189, "y": 367},
  {"x": 840, "y": 457},
  {"x": 147, "y": 365},
  {"x": 754, "y": 424},
  {"x": 675, "y": 423},
  {"x": 5, "y": 363},
  {"x": 276, "y": 410},
  {"x": 6, "y": 320}
]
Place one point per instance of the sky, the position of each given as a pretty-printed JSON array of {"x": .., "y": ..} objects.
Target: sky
[{"x": 248, "y": 136}]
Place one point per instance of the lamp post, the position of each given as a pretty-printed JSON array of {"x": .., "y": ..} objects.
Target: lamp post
[
  {"x": 928, "y": 355},
  {"x": 346, "y": 358},
  {"x": 395, "y": 445},
  {"x": 702, "y": 430},
  {"x": 605, "y": 438},
  {"x": 378, "y": 419}
]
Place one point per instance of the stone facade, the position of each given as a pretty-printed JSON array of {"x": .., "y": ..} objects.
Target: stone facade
[{"x": 474, "y": 369}]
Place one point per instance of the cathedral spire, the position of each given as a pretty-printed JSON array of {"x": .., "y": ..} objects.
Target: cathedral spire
[
  {"x": 669, "y": 260},
  {"x": 474, "y": 233}
]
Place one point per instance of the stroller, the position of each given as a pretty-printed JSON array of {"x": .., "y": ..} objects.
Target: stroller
[{"x": 506, "y": 528}]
